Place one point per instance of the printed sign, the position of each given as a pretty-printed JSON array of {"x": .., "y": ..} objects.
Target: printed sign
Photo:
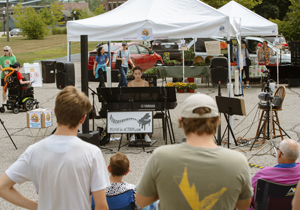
[
  {"x": 35, "y": 73},
  {"x": 130, "y": 122},
  {"x": 213, "y": 48},
  {"x": 35, "y": 119},
  {"x": 48, "y": 118},
  {"x": 145, "y": 34}
]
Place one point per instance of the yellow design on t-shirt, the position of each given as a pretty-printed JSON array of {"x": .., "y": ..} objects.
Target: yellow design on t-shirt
[
  {"x": 7, "y": 62},
  {"x": 191, "y": 195}
]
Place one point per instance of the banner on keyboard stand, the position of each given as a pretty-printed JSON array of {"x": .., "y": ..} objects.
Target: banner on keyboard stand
[{"x": 130, "y": 122}]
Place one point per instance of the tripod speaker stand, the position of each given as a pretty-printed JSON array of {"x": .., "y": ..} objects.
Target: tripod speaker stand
[
  {"x": 230, "y": 106},
  {"x": 8, "y": 133}
]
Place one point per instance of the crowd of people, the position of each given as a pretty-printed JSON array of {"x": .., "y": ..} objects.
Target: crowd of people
[{"x": 66, "y": 171}]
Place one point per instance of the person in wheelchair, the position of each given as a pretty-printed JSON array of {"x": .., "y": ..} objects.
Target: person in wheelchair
[{"x": 20, "y": 91}]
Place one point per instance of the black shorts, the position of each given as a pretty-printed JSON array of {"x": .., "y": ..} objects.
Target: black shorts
[{"x": 2, "y": 82}]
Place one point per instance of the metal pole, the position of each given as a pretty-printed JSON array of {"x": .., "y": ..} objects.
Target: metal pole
[
  {"x": 84, "y": 75},
  {"x": 7, "y": 22}
]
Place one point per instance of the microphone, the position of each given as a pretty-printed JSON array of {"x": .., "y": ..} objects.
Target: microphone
[{"x": 265, "y": 96}]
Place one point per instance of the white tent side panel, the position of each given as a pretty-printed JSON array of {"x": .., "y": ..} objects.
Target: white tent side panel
[
  {"x": 167, "y": 19},
  {"x": 252, "y": 24}
]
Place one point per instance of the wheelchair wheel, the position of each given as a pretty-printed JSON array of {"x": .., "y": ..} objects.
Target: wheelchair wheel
[
  {"x": 16, "y": 110},
  {"x": 28, "y": 104},
  {"x": 2, "y": 109}
]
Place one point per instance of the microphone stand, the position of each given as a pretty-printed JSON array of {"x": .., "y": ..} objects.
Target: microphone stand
[{"x": 94, "y": 112}]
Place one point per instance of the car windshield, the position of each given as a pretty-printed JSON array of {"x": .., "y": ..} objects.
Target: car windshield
[{"x": 272, "y": 39}]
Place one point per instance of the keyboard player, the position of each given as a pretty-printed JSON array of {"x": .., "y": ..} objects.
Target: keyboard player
[{"x": 138, "y": 82}]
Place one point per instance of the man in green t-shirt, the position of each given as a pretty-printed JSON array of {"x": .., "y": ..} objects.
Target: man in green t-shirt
[
  {"x": 5, "y": 61},
  {"x": 197, "y": 174}
]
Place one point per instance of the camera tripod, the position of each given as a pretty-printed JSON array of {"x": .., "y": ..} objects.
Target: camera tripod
[
  {"x": 8, "y": 133},
  {"x": 267, "y": 121}
]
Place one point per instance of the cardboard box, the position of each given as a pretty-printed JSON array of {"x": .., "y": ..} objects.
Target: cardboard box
[{"x": 39, "y": 118}]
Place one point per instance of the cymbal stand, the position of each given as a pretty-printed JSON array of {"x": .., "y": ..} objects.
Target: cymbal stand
[{"x": 8, "y": 133}]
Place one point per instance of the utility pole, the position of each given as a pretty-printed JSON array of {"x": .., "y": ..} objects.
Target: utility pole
[{"x": 7, "y": 22}]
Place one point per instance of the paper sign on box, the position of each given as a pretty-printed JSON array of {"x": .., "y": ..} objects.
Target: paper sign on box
[{"x": 39, "y": 118}]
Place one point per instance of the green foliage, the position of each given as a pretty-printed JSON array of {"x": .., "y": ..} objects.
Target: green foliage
[
  {"x": 85, "y": 14},
  {"x": 151, "y": 71},
  {"x": 77, "y": 14},
  {"x": 56, "y": 11},
  {"x": 59, "y": 30},
  {"x": 189, "y": 55},
  {"x": 47, "y": 17},
  {"x": 275, "y": 9},
  {"x": 99, "y": 10},
  {"x": 30, "y": 22},
  {"x": 246, "y": 3}
]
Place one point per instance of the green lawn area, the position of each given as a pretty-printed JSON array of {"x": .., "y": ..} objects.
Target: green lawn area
[{"x": 53, "y": 46}]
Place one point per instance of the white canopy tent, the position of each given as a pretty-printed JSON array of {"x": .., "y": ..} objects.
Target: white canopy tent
[
  {"x": 252, "y": 24},
  {"x": 167, "y": 19}
]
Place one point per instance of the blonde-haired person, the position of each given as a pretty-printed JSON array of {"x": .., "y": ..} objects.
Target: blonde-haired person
[
  {"x": 63, "y": 168},
  {"x": 200, "y": 173},
  {"x": 138, "y": 82},
  {"x": 5, "y": 61}
]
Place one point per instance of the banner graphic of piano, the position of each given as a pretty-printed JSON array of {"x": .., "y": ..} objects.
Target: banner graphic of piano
[{"x": 130, "y": 122}]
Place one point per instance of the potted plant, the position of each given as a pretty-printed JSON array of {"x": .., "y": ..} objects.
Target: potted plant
[
  {"x": 191, "y": 87},
  {"x": 189, "y": 56},
  {"x": 180, "y": 86},
  {"x": 224, "y": 48},
  {"x": 170, "y": 84},
  {"x": 166, "y": 58}
]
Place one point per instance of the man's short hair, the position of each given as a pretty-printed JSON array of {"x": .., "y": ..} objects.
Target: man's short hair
[
  {"x": 199, "y": 115},
  {"x": 290, "y": 149},
  {"x": 119, "y": 164},
  {"x": 70, "y": 106}
]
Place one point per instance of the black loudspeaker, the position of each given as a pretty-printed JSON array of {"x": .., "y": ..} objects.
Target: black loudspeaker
[
  {"x": 219, "y": 70},
  {"x": 93, "y": 137},
  {"x": 65, "y": 74}
]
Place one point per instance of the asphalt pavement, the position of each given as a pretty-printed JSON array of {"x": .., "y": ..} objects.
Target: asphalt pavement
[{"x": 245, "y": 127}]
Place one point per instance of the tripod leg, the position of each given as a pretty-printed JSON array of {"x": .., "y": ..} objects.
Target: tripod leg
[
  {"x": 282, "y": 129},
  {"x": 229, "y": 127},
  {"x": 257, "y": 136},
  {"x": 8, "y": 133},
  {"x": 278, "y": 123}
]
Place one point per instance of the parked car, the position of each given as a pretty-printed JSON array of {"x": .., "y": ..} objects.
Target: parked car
[
  {"x": 161, "y": 46},
  {"x": 252, "y": 43},
  {"x": 141, "y": 55},
  {"x": 16, "y": 32}
]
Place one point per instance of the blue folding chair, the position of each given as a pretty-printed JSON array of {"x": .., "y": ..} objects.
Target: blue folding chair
[{"x": 123, "y": 201}]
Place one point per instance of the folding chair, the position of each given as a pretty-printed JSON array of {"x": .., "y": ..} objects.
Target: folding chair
[
  {"x": 123, "y": 201},
  {"x": 273, "y": 196}
]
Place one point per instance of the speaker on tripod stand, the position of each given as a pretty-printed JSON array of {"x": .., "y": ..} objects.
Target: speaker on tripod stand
[
  {"x": 65, "y": 74},
  {"x": 219, "y": 76}
]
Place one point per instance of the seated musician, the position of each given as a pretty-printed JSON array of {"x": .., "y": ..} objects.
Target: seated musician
[
  {"x": 138, "y": 82},
  {"x": 16, "y": 66}
]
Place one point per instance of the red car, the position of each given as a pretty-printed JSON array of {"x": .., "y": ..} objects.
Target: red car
[{"x": 141, "y": 55}]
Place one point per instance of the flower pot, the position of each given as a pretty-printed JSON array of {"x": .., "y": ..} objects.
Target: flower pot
[
  {"x": 181, "y": 91},
  {"x": 191, "y": 90}
]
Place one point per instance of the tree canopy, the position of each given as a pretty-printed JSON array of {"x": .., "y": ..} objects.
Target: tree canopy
[{"x": 246, "y": 3}]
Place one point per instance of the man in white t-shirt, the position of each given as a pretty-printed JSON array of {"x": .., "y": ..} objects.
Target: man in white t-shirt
[{"x": 64, "y": 169}]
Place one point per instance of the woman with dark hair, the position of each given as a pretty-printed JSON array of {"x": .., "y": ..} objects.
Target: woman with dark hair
[
  {"x": 245, "y": 53},
  {"x": 100, "y": 64},
  {"x": 138, "y": 82}
]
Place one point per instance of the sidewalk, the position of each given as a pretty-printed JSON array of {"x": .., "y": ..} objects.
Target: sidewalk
[{"x": 243, "y": 126}]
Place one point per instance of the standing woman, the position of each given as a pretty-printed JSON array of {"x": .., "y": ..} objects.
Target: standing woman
[
  {"x": 245, "y": 67},
  {"x": 5, "y": 61},
  {"x": 124, "y": 55},
  {"x": 138, "y": 82},
  {"x": 100, "y": 64}
]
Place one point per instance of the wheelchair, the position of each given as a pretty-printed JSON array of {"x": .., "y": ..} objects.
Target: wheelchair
[{"x": 19, "y": 96}]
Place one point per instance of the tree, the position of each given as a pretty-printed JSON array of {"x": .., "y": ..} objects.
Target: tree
[
  {"x": 86, "y": 14},
  {"x": 56, "y": 11},
  {"x": 246, "y": 3},
  {"x": 30, "y": 22},
  {"x": 275, "y": 9},
  {"x": 99, "y": 10},
  {"x": 293, "y": 16},
  {"x": 77, "y": 14}
]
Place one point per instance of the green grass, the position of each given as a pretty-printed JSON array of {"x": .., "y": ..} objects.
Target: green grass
[{"x": 52, "y": 46}]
